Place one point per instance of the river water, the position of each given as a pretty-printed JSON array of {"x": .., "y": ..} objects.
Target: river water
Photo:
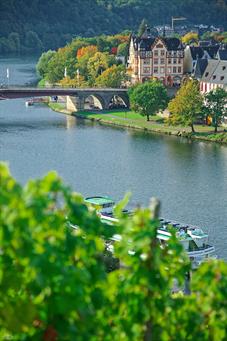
[{"x": 190, "y": 178}]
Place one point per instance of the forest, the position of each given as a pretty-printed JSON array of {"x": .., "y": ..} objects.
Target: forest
[{"x": 32, "y": 26}]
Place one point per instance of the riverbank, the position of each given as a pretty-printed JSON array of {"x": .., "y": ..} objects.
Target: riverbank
[
  {"x": 128, "y": 119},
  {"x": 59, "y": 107},
  {"x": 132, "y": 120}
]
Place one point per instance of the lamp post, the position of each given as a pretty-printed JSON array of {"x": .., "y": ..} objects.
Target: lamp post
[
  {"x": 65, "y": 72},
  {"x": 78, "y": 77},
  {"x": 7, "y": 76}
]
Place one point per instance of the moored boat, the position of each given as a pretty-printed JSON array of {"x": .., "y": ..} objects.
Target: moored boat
[{"x": 193, "y": 239}]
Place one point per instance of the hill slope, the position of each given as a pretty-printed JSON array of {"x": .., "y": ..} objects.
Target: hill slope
[{"x": 39, "y": 24}]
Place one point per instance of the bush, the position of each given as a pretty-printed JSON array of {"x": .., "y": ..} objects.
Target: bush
[{"x": 54, "y": 284}]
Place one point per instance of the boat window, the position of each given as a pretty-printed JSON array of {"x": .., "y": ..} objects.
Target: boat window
[{"x": 193, "y": 246}]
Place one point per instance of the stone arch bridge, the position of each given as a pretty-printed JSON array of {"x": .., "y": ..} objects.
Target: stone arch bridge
[{"x": 76, "y": 98}]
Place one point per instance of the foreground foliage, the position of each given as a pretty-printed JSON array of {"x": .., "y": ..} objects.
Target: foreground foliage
[{"x": 54, "y": 285}]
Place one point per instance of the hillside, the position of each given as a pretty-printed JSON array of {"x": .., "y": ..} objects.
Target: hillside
[{"x": 35, "y": 25}]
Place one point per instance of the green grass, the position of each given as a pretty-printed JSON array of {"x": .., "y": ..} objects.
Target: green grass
[
  {"x": 131, "y": 119},
  {"x": 56, "y": 106}
]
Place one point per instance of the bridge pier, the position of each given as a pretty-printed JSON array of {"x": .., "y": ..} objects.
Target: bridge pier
[
  {"x": 75, "y": 103},
  {"x": 106, "y": 101}
]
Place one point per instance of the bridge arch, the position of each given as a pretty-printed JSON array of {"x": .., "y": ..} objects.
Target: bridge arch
[
  {"x": 94, "y": 101},
  {"x": 118, "y": 101}
]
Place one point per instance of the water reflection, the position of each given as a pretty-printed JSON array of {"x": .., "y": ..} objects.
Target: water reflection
[{"x": 70, "y": 121}]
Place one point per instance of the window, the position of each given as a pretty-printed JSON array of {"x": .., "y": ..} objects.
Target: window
[
  {"x": 179, "y": 69},
  {"x": 162, "y": 52},
  {"x": 206, "y": 74},
  {"x": 174, "y": 53},
  {"x": 174, "y": 61},
  {"x": 214, "y": 76},
  {"x": 156, "y": 61},
  {"x": 162, "y": 61},
  {"x": 162, "y": 70},
  {"x": 222, "y": 78},
  {"x": 179, "y": 61},
  {"x": 146, "y": 70},
  {"x": 155, "y": 70},
  {"x": 169, "y": 61},
  {"x": 156, "y": 52},
  {"x": 174, "y": 69},
  {"x": 142, "y": 54},
  {"x": 223, "y": 67},
  {"x": 146, "y": 61},
  {"x": 169, "y": 69}
]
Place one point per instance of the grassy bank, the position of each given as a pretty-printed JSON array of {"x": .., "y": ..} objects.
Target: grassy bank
[
  {"x": 59, "y": 107},
  {"x": 156, "y": 124}
]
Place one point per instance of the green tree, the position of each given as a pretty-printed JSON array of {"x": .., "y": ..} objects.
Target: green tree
[
  {"x": 99, "y": 63},
  {"x": 216, "y": 106},
  {"x": 186, "y": 108},
  {"x": 42, "y": 65},
  {"x": 14, "y": 41},
  {"x": 112, "y": 77},
  {"x": 61, "y": 60},
  {"x": 33, "y": 41},
  {"x": 123, "y": 50},
  {"x": 148, "y": 98},
  {"x": 83, "y": 56},
  {"x": 5, "y": 46}
]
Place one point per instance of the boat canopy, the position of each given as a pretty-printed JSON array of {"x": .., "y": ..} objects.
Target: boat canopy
[{"x": 102, "y": 202}]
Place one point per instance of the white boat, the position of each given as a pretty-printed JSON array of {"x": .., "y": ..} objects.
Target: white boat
[
  {"x": 192, "y": 238},
  {"x": 28, "y": 103}
]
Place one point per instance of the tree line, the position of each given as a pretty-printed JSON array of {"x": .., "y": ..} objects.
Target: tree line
[
  {"x": 187, "y": 108},
  {"x": 87, "y": 62},
  {"x": 55, "y": 285},
  {"x": 37, "y": 25}
]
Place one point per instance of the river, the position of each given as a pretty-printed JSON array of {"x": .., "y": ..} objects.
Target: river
[{"x": 190, "y": 178}]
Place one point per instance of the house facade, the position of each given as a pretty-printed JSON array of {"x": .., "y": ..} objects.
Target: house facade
[
  {"x": 214, "y": 76},
  {"x": 157, "y": 57}
]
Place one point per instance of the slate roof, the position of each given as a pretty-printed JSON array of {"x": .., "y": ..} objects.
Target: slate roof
[
  {"x": 200, "y": 67},
  {"x": 172, "y": 44},
  {"x": 196, "y": 52},
  {"x": 146, "y": 43},
  {"x": 211, "y": 50},
  {"x": 215, "y": 72},
  {"x": 222, "y": 54}
]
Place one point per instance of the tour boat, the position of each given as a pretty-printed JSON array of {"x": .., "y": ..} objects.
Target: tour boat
[{"x": 192, "y": 238}]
